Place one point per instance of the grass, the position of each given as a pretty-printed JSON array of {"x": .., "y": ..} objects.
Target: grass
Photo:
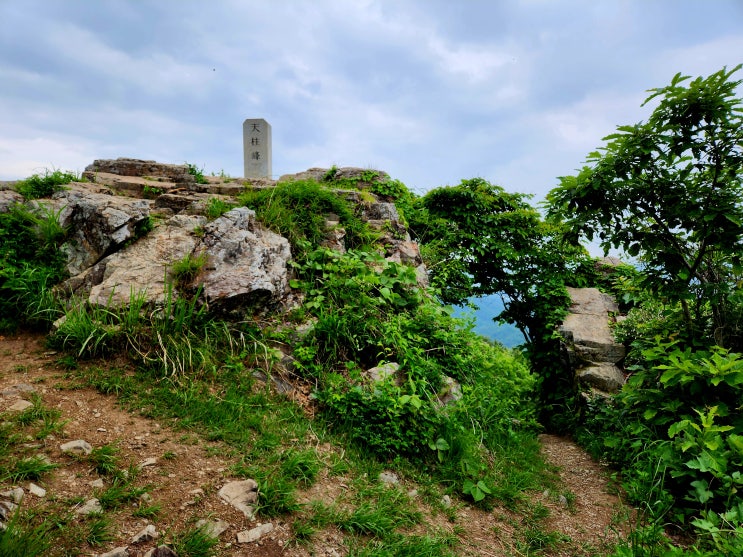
[
  {"x": 185, "y": 270},
  {"x": 217, "y": 207},
  {"x": 105, "y": 459},
  {"x": 22, "y": 537},
  {"x": 194, "y": 542}
]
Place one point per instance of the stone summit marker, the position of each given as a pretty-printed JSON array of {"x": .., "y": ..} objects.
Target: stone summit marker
[{"x": 257, "y": 148}]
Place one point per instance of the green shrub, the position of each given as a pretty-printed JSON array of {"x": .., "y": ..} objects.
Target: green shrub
[
  {"x": 370, "y": 311},
  {"x": 297, "y": 211},
  {"x": 37, "y": 186},
  {"x": 676, "y": 432}
]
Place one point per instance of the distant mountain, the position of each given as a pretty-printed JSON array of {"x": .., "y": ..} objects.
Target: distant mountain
[{"x": 489, "y": 307}]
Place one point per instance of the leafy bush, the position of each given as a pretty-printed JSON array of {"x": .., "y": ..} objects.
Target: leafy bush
[
  {"x": 37, "y": 186},
  {"x": 676, "y": 432}
]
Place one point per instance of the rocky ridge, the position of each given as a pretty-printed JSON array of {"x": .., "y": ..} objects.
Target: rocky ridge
[{"x": 116, "y": 251}]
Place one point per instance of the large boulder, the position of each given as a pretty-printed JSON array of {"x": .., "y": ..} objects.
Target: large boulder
[
  {"x": 247, "y": 265},
  {"x": 586, "y": 328},
  {"x": 592, "y": 352},
  {"x": 140, "y": 269},
  {"x": 120, "y": 243}
]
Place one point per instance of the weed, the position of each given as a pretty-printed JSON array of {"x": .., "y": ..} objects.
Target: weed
[
  {"x": 32, "y": 468},
  {"x": 68, "y": 362},
  {"x": 296, "y": 211},
  {"x": 185, "y": 270},
  {"x": 98, "y": 530},
  {"x": 197, "y": 173},
  {"x": 407, "y": 546},
  {"x": 276, "y": 496},
  {"x": 121, "y": 491},
  {"x": 302, "y": 532},
  {"x": 151, "y": 192},
  {"x": 30, "y": 264},
  {"x": 301, "y": 466}
]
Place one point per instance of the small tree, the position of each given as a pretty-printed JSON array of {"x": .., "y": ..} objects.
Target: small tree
[
  {"x": 669, "y": 191},
  {"x": 479, "y": 240}
]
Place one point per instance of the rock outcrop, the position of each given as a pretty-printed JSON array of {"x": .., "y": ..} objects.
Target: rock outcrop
[
  {"x": 589, "y": 343},
  {"x": 247, "y": 265},
  {"x": 133, "y": 220}
]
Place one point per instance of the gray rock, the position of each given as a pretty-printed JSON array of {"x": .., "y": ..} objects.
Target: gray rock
[
  {"x": 384, "y": 372},
  {"x": 389, "y": 478},
  {"x": 118, "y": 552},
  {"x": 161, "y": 551},
  {"x": 9, "y": 198},
  {"x": 77, "y": 447},
  {"x": 19, "y": 406},
  {"x": 381, "y": 211},
  {"x": 592, "y": 351},
  {"x": 254, "y": 534},
  {"x": 7, "y": 508},
  {"x": 90, "y": 506},
  {"x": 605, "y": 377},
  {"x": 99, "y": 223},
  {"x": 586, "y": 328},
  {"x": 15, "y": 494},
  {"x": 242, "y": 495},
  {"x": 247, "y": 265},
  {"x": 213, "y": 528},
  {"x": 140, "y": 268},
  {"x": 450, "y": 393},
  {"x": 36, "y": 490},
  {"x": 147, "y": 534},
  {"x": 139, "y": 167},
  {"x": 152, "y": 461},
  {"x": 18, "y": 389}
]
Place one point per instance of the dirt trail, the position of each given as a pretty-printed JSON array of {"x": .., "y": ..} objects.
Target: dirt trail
[{"x": 189, "y": 470}]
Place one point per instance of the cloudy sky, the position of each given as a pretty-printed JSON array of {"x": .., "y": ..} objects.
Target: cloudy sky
[{"x": 432, "y": 91}]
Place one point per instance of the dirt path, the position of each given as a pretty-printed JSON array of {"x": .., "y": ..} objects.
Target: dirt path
[{"x": 189, "y": 470}]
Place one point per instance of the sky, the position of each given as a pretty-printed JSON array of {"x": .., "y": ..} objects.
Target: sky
[{"x": 514, "y": 91}]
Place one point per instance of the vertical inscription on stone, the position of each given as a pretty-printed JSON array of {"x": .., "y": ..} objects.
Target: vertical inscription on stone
[{"x": 257, "y": 148}]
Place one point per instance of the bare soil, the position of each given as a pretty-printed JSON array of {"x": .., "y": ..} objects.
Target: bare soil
[{"x": 189, "y": 470}]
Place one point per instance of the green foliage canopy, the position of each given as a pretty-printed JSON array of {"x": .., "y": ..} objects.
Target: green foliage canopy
[
  {"x": 669, "y": 191},
  {"x": 482, "y": 240}
]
